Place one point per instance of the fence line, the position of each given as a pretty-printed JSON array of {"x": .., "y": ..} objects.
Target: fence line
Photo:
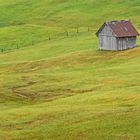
[{"x": 66, "y": 33}]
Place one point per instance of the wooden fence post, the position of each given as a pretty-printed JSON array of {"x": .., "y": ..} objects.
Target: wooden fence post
[
  {"x": 77, "y": 30},
  {"x": 88, "y": 29},
  {"x": 49, "y": 37},
  {"x": 67, "y": 33}
]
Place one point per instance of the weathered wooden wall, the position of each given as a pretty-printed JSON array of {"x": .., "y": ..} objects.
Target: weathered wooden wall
[
  {"x": 107, "y": 39},
  {"x": 126, "y": 43}
]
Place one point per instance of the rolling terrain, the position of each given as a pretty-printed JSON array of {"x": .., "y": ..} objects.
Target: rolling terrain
[{"x": 56, "y": 85}]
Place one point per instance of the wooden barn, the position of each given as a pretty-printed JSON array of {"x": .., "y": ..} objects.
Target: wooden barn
[{"x": 117, "y": 35}]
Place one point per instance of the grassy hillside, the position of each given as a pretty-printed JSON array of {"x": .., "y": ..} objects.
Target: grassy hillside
[
  {"x": 23, "y": 22},
  {"x": 64, "y": 88},
  {"x": 68, "y": 13}
]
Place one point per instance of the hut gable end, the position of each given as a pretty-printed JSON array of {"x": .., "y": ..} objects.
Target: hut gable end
[{"x": 105, "y": 30}]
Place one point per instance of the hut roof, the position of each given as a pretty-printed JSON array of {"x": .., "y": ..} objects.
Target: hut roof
[{"x": 122, "y": 28}]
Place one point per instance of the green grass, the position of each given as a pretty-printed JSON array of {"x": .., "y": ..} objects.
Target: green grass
[
  {"x": 30, "y": 22},
  {"x": 64, "y": 88}
]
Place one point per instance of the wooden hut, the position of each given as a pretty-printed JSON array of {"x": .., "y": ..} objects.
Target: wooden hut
[{"x": 117, "y": 35}]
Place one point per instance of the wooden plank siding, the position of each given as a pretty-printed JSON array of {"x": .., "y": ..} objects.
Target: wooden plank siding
[
  {"x": 107, "y": 39},
  {"x": 126, "y": 43}
]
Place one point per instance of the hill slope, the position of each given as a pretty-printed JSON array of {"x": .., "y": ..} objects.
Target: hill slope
[
  {"x": 26, "y": 22},
  {"x": 64, "y": 88}
]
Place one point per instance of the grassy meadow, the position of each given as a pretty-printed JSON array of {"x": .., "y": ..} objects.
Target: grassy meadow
[{"x": 65, "y": 88}]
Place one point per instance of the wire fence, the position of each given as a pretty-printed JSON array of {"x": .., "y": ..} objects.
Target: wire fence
[{"x": 17, "y": 44}]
